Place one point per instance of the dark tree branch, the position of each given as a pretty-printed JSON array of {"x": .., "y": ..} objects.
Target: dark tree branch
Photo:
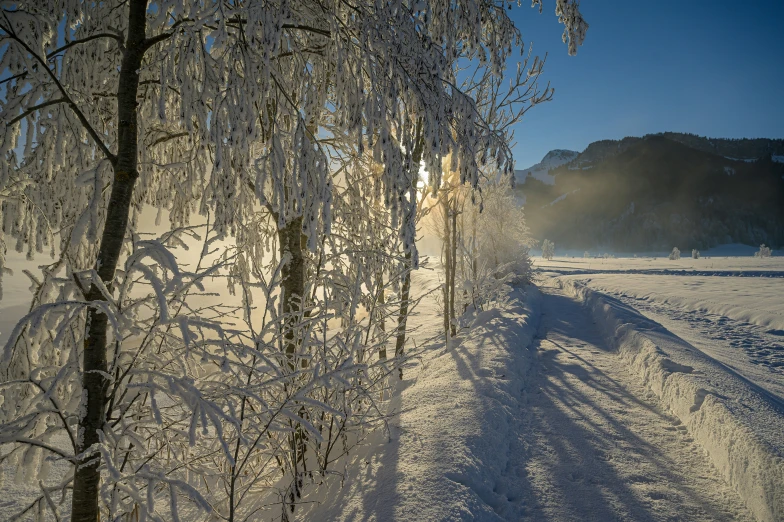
[
  {"x": 14, "y": 77},
  {"x": 85, "y": 40},
  {"x": 168, "y": 137},
  {"x": 149, "y": 42},
  {"x": 33, "y": 442},
  {"x": 316, "y": 30},
  {"x": 31, "y": 110}
]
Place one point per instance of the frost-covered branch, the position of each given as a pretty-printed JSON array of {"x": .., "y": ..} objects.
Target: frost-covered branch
[{"x": 8, "y": 29}]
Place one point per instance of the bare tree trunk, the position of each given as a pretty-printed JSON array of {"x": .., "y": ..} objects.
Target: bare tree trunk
[
  {"x": 292, "y": 284},
  {"x": 447, "y": 253},
  {"x": 474, "y": 249},
  {"x": 463, "y": 248},
  {"x": 453, "y": 270},
  {"x": 380, "y": 302},
  {"x": 292, "y": 303},
  {"x": 405, "y": 292},
  {"x": 85, "y": 506}
]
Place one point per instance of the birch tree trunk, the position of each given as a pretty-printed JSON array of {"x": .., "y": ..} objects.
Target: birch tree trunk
[
  {"x": 292, "y": 284},
  {"x": 381, "y": 319},
  {"x": 474, "y": 254},
  {"x": 453, "y": 268},
  {"x": 86, "y": 487},
  {"x": 447, "y": 247},
  {"x": 405, "y": 291}
]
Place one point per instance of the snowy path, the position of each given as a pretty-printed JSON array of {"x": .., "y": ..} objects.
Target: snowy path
[{"x": 596, "y": 446}]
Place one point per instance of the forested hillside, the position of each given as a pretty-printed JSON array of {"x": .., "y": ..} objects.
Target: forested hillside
[{"x": 655, "y": 192}]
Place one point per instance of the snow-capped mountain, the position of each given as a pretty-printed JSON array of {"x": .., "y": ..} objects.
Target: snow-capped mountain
[{"x": 541, "y": 171}]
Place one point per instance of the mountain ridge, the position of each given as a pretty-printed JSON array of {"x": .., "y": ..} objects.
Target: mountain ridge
[{"x": 659, "y": 191}]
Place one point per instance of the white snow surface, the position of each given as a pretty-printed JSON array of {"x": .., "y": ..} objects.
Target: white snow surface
[
  {"x": 591, "y": 413},
  {"x": 738, "y": 321},
  {"x": 508, "y": 425},
  {"x": 450, "y": 444},
  {"x": 602, "y": 445},
  {"x": 541, "y": 171},
  {"x": 730, "y": 308},
  {"x": 737, "y": 423},
  {"x": 723, "y": 258}
]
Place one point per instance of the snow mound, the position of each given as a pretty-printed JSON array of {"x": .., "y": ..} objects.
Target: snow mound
[
  {"x": 541, "y": 171},
  {"x": 450, "y": 443},
  {"x": 739, "y": 425}
]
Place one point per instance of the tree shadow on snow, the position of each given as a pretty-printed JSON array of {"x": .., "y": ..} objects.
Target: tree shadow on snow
[{"x": 582, "y": 462}]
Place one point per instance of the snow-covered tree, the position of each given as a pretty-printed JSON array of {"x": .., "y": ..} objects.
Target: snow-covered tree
[
  {"x": 246, "y": 112},
  {"x": 675, "y": 254},
  {"x": 763, "y": 251},
  {"x": 695, "y": 254},
  {"x": 548, "y": 249},
  {"x": 502, "y": 235},
  {"x": 586, "y": 254}
]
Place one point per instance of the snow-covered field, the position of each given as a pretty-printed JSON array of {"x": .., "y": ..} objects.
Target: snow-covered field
[
  {"x": 739, "y": 425},
  {"x": 730, "y": 308},
  {"x": 739, "y": 321},
  {"x": 722, "y": 259},
  {"x": 622, "y": 389}
]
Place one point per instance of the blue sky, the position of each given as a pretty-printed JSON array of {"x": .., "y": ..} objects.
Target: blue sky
[{"x": 710, "y": 67}]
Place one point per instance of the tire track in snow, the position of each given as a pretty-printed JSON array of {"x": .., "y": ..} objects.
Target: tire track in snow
[{"x": 597, "y": 445}]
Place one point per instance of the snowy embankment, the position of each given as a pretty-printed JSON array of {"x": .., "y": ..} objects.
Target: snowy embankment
[
  {"x": 754, "y": 300},
  {"x": 739, "y": 425},
  {"x": 450, "y": 442}
]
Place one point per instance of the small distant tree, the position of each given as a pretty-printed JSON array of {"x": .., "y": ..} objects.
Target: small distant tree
[
  {"x": 763, "y": 251},
  {"x": 675, "y": 254},
  {"x": 586, "y": 254},
  {"x": 695, "y": 254},
  {"x": 548, "y": 249}
]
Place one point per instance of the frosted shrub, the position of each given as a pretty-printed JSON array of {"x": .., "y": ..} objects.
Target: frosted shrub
[
  {"x": 675, "y": 254},
  {"x": 695, "y": 254},
  {"x": 485, "y": 244},
  {"x": 763, "y": 251},
  {"x": 548, "y": 249}
]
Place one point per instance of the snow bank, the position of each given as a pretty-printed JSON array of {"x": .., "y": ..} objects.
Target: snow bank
[
  {"x": 739, "y": 426},
  {"x": 450, "y": 442},
  {"x": 754, "y": 300}
]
